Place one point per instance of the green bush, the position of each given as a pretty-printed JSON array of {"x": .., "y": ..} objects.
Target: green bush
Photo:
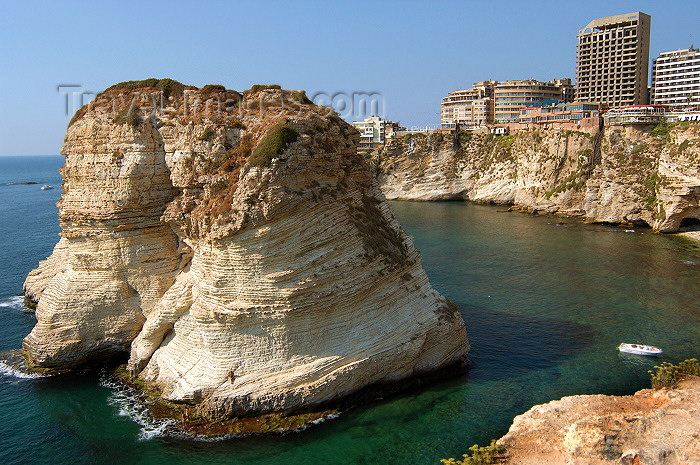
[
  {"x": 129, "y": 115},
  {"x": 465, "y": 136},
  {"x": 662, "y": 131},
  {"x": 639, "y": 148},
  {"x": 259, "y": 87},
  {"x": 29, "y": 303},
  {"x": 299, "y": 96},
  {"x": 213, "y": 88},
  {"x": 273, "y": 143},
  {"x": 168, "y": 86},
  {"x": 208, "y": 133},
  {"x": 480, "y": 455},
  {"x": 236, "y": 124},
  {"x": 668, "y": 374},
  {"x": 79, "y": 113}
]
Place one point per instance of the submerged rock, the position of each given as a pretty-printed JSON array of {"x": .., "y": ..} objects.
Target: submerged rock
[{"x": 239, "y": 249}]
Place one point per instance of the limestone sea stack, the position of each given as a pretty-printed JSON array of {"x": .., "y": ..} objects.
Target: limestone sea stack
[{"x": 238, "y": 248}]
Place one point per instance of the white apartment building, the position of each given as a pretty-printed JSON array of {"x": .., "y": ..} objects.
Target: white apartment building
[
  {"x": 676, "y": 79},
  {"x": 371, "y": 131}
]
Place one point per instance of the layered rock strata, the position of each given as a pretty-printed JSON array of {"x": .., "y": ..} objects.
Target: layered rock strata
[
  {"x": 641, "y": 175},
  {"x": 649, "y": 428},
  {"x": 239, "y": 249}
]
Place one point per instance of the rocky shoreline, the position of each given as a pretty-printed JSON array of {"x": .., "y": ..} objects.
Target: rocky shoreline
[
  {"x": 651, "y": 427},
  {"x": 183, "y": 423},
  {"x": 630, "y": 175}
]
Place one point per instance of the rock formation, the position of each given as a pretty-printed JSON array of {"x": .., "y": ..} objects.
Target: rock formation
[
  {"x": 642, "y": 176},
  {"x": 238, "y": 248},
  {"x": 649, "y": 428}
]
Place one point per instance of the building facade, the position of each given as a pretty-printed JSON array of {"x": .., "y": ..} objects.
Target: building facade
[
  {"x": 469, "y": 107},
  {"x": 636, "y": 114},
  {"x": 676, "y": 79},
  {"x": 574, "y": 115},
  {"x": 612, "y": 60},
  {"x": 511, "y": 96},
  {"x": 374, "y": 131}
]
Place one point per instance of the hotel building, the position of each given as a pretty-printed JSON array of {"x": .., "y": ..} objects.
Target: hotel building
[
  {"x": 511, "y": 96},
  {"x": 612, "y": 60}
]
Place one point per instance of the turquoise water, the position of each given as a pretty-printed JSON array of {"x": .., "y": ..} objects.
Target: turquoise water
[{"x": 545, "y": 305}]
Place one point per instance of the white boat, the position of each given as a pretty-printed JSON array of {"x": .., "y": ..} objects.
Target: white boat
[
  {"x": 640, "y": 349},
  {"x": 46, "y": 187}
]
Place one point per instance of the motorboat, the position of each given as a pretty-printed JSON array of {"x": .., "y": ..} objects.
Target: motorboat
[
  {"x": 46, "y": 187},
  {"x": 640, "y": 349}
]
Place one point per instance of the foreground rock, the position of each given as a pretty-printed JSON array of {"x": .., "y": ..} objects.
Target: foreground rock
[
  {"x": 652, "y": 427},
  {"x": 239, "y": 249},
  {"x": 640, "y": 176}
]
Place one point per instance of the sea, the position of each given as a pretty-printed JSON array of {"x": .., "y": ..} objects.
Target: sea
[{"x": 546, "y": 301}]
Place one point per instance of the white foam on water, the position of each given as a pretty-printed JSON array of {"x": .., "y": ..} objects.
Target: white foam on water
[
  {"x": 13, "y": 302},
  {"x": 332, "y": 416},
  {"x": 7, "y": 370},
  {"x": 131, "y": 406},
  {"x": 629, "y": 230}
]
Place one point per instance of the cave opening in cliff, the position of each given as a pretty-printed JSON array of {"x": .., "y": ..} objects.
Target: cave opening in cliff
[{"x": 690, "y": 224}]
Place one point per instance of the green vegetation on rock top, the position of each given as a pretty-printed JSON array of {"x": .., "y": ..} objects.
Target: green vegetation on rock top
[
  {"x": 273, "y": 143},
  {"x": 259, "y": 87},
  {"x": 168, "y": 86},
  {"x": 213, "y": 88}
]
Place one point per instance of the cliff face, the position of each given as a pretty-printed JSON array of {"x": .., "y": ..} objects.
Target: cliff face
[
  {"x": 648, "y": 428},
  {"x": 622, "y": 175},
  {"x": 242, "y": 254}
]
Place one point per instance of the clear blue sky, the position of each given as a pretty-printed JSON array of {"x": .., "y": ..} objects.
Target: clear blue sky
[{"x": 411, "y": 52}]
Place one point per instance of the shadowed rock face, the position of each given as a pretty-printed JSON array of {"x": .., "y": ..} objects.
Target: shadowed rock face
[{"x": 241, "y": 253}]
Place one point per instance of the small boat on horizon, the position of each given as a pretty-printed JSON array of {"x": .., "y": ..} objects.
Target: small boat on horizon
[
  {"x": 46, "y": 187},
  {"x": 639, "y": 349}
]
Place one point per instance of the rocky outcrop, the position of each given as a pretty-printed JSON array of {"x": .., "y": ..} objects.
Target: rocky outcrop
[
  {"x": 635, "y": 175},
  {"x": 652, "y": 427},
  {"x": 238, "y": 248}
]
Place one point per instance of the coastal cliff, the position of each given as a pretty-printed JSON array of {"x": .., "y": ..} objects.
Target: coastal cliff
[
  {"x": 632, "y": 175},
  {"x": 238, "y": 248},
  {"x": 652, "y": 427}
]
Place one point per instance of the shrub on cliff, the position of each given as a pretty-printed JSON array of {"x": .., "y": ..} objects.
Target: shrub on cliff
[
  {"x": 300, "y": 96},
  {"x": 259, "y": 87},
  {"x": 129, "y": 115},
  {"x": 662, "y": 131},
  {"x": 208, "y": 133},
  {"x": 273, "y": 143},
  {"x": 168, "y": 86},
  {"x": 213, "y": 88},
  {"x": 668, "y": 374},
  {"x": 488, "y": 455}
]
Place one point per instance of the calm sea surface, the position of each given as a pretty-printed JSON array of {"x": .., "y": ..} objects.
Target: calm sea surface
[{"x": 546, "y": 302}]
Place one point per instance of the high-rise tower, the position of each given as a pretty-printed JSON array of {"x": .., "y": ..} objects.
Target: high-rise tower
[{"x": 612, "y": 60}]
